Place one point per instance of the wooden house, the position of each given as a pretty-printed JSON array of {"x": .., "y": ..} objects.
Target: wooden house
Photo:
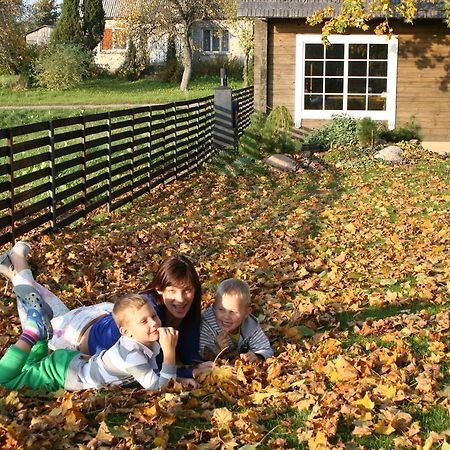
[
  {"x": 210, "y": 39},
  {"x": 359, "y": 74}
]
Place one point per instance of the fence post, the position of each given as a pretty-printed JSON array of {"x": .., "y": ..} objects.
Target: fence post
[
  {"x": 197, "y": 132},
  {"x": 51, "y": 150},
  {"x": 109, "y": 162},
  {"x": 164, "y": 147},
  {"x": 149, "y": 147},
  {"x": 10, "y": 144},
  {"x": 174, "y": 106},
  {"x": 84, "y": 170},
  {"x": 132, "y": 151}
]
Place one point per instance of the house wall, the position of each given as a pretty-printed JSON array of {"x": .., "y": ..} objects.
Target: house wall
[
  {"x": 40, "y": 36},
  {"x": 234, "y": 51},
  {"x": 423, "y": 82}
]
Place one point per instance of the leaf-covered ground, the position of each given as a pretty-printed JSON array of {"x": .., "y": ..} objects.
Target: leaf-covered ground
[{"x": 350, "y": 275}]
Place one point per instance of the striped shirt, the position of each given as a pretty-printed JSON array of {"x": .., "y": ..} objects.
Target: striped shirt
[
  {"x": 125, "y": 362},
  {"x": 251, "y": 339}
]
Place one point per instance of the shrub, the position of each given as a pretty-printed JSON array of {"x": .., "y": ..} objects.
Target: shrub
[
  {"x": 367, "y": 132},
  {"x": 410, "y": 130},
  {"x": 280, "y": 119},
  {"x": 340, "y": 130},
  {"x": 212, "y": 66},
  {"x": 62, "y": 66}
]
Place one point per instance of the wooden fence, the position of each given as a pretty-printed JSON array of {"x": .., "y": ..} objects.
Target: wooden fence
[{"x": 55, "y": 172}]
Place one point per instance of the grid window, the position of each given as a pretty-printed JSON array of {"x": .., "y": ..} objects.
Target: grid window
[
  {"x": 215, "y": 40},
  {"x": 355, "y": 74}
]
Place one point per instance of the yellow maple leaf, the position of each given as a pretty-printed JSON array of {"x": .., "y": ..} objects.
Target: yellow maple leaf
[
  {"x": 222, "y": 417},
  {"x": 318, "y": 442},
  {"x": 381, "y": 428},
  {"x": 365, "y": 402}
]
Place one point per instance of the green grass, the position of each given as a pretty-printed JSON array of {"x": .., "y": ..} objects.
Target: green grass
[{"x": 106, "y": 91}]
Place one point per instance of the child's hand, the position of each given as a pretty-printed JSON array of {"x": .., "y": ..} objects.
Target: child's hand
[
  {"x": 203, "y": 367},
  {"x": 188, "y": 382},
  {"x": 250, "y": 357},
  {"x": 222, "y": 340},
  {"x": 168, "y": 338}
]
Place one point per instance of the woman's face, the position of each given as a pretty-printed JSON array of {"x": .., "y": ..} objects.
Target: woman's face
[{"x": 178, "y": 300}]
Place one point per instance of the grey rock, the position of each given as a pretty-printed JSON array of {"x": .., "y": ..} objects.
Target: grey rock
[
  {"x": 282, "y": 162},
  {"x": 392, "y": 153}
]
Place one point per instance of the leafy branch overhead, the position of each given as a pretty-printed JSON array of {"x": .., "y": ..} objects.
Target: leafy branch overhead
[{"x": 359, "y": 13}]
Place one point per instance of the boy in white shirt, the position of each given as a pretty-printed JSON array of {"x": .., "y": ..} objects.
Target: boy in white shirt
[
  {"x": 132, "y": 358},
  {"x": 229, "y": 324}
]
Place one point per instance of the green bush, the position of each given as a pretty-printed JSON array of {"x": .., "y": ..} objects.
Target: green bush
[
  {"x": 212, "y": 66},
  {"x": 340, "y": 130},
  {"x": 367, "y": 132},
  {"x": 280, "y": 119},
  {"x": 62, "y": 66},
  {"x": 410, "y": 130}
]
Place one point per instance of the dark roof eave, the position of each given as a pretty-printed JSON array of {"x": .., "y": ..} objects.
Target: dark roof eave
[{"x": 300, "y": 9}]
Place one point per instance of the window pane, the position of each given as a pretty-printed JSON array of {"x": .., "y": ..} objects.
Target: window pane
[
  {"x": 377, "y": 103},
  {"x": 334, "y": 102},
  {"x": 357, "y": 68},
  {"x": 356, "y": 103},
  {"x": 335, "y": 51},
  {"x": 357, "y": 85},
  {"x": 313, "y": 101},
  {"x": 206, "y": 40},
  {"x": 225, "y": 40},
  {"x": 334, "y": 68},
  {"x": 314, "y": 85},
  {"x": 334, "y": 85},
  {"x": 216, "y": 41},
  {"x": 378, "y": 51},
  {"x": 378, "y": 68},
  {"x": 313, "y": 68},
  {"x": 357, "y": 51},
  {"x": 377, "y": 85},
  {"x": 313, "y": 51}
]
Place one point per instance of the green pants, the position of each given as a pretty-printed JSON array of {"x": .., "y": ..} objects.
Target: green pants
[{"x": 35, "y": 369}]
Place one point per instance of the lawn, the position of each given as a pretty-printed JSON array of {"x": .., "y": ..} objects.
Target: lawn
[
  {"x": 350, "y": 276},
  {"x": 98, "y": 92}
]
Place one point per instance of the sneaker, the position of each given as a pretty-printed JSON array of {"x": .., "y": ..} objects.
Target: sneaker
[
  {"x": 29, "y": 299},
  {"x": 41, "y": 321},
  {"x": 6, "y": 267},
  {"x": 21, "y": 248}
]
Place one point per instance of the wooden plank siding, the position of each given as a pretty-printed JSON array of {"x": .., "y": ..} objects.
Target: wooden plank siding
[{"x": 423, "y": 73}]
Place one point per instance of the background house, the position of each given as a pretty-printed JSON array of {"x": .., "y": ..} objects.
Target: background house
[
  {"x": 210, "y": 39},
  {"x": 359, "y": 74},
  {"x": 40, "y": 36}
]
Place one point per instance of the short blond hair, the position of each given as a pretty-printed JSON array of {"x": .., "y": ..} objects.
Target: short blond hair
[
  {"x": 125, "y": 305},
  {"x": 235, "y": 287}
]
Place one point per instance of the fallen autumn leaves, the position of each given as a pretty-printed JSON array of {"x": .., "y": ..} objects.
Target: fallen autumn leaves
[{"x": 350, "y": 275}]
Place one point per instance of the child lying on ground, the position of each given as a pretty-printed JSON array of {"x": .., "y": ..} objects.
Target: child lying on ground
[
  {"x": 132, "y": 358},
  {"x": 229, "y": 325}
]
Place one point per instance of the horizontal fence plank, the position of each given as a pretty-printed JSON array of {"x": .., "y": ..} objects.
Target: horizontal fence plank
[{"x": 99, "y": 159}]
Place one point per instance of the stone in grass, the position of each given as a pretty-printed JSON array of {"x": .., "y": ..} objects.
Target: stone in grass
[
  {"x": 390, "y": 154},
  {"x": 283, "y": 163}
]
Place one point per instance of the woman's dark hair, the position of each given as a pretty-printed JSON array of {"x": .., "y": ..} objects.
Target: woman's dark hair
[{"x": 178, "y": 271}]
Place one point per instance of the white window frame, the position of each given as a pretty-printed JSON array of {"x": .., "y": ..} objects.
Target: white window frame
[
  {"x": 391, "y": 90},
  {"x": 221, "y": 32}
]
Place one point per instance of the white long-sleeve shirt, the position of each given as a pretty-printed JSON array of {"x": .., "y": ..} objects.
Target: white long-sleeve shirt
[{"x": 126, "y": 361}]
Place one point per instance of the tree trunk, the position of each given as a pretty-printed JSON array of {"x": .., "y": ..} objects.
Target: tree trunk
[
  {"x": 246, "y": 69},
  {"x": 186, "y": 56}
]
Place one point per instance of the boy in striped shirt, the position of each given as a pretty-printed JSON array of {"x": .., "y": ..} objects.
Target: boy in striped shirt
[
  {"x": 27, "y": 363},
  {"x": 229, "y": 326}
]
